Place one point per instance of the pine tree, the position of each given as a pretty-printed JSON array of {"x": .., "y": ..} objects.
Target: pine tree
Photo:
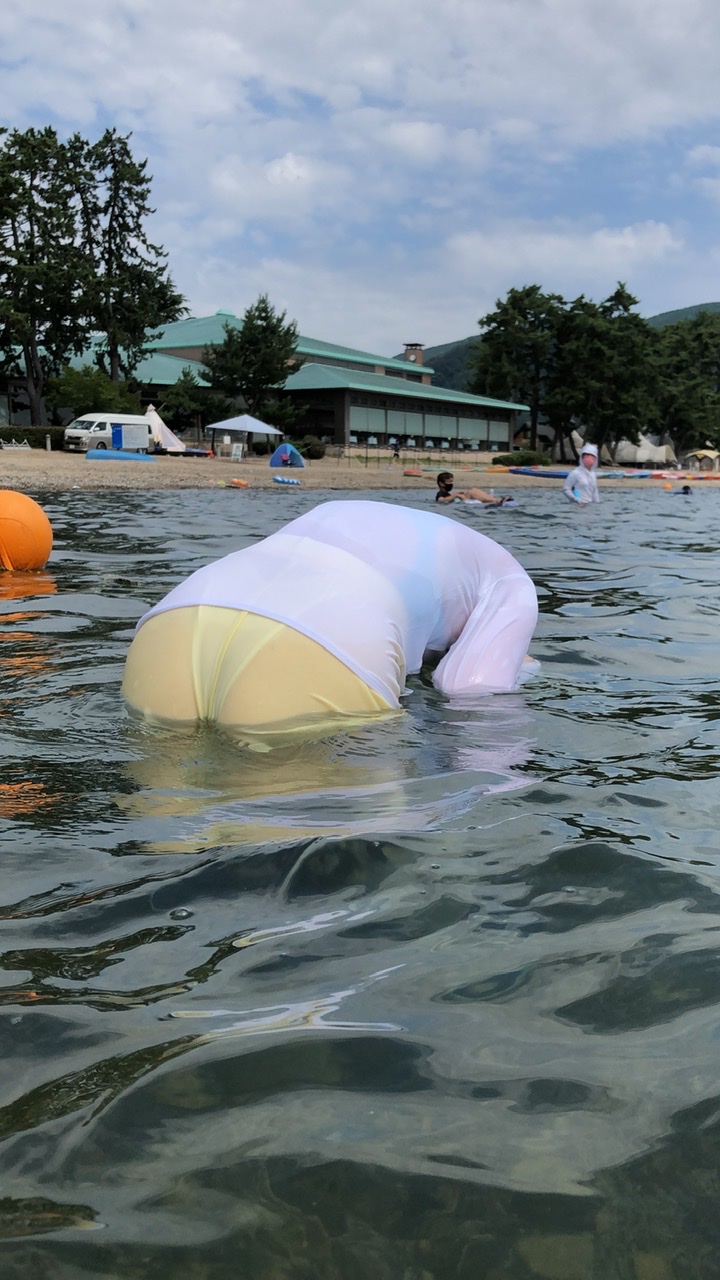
[
  {"x": 517, "y": 348},
  {"x": 601, "y": 381},
  {"x": 44, "y": 276},
  {"x": 132, "y": 292},
  {"x": 253, "y": 362}
]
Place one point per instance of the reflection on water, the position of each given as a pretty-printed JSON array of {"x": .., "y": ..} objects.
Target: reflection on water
[
  {"x": 433, "y": 998},
  {"x": 403, "y": 773}
]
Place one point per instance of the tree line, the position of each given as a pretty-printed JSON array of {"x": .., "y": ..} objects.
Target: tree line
[
  {"x": 601, "y": 369},
  {"x": 78, "y": 271},
  {"x": 80, "y": 277}
]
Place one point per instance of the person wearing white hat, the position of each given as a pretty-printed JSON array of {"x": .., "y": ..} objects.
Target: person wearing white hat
[{"x": 581, "y": 484}]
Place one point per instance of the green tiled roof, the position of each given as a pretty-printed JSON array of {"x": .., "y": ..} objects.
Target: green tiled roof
[
  {"x": 207, "y": 331},
  {"x": 163, "y": 370},
  {"x": 156, "y": 368},
  {"x": 318, "y": 377},
  {"x": 310, "y": 347}
]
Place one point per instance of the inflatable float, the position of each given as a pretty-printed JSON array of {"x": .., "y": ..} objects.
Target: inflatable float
[
  {"x": 491, "y": 506},
  {"x": 284, "y": 480}
]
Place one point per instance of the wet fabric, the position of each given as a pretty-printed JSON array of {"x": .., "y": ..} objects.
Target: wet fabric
[
  {"x": 375, "y": 587},
  {"x": 231, "y": 667}
]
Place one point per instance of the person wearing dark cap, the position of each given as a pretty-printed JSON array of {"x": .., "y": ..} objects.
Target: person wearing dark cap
[{"x": 581, "y": 484}]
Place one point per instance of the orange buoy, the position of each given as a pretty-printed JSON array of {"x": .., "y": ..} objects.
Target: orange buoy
[
  {"x": 241, "y": 484},
  {"x": 26, "y": 535},
  {"x": 667, "y": 486}
]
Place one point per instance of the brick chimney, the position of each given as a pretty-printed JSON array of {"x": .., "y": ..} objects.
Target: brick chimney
[{"x": 414, "y": 352}]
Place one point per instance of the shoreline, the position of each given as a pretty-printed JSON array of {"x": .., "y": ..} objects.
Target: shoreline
[{"x": 43, "y": 471}]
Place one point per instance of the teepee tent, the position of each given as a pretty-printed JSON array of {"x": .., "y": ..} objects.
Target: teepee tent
[{"x": 162, "y": 435}]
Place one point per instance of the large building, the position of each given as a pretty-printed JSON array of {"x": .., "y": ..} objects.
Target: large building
[
  {"x": 348, "y": 397},
  {"x": 353, "y": 397}
]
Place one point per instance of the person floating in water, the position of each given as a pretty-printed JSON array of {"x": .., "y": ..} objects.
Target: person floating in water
[
  {"x": 446, "y": 492},
  {"x": 320, "y": 623},
  {"x": 581, "y": 484}
]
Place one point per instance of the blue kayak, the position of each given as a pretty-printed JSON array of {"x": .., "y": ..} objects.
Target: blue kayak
[
  {"x": 542, "y": 475},
  {"x": 118, "y": 455}
]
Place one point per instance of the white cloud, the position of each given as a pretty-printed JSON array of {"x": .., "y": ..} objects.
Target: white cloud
[
  {"x": 704, "y": 156},
  {"x": 418, "y": 141},
  {"x": 556, "y": 256},
  {"x": 289, "y": 170},
  {"x": 385, "y": 166},
  {"x": 709, "y": 187}
]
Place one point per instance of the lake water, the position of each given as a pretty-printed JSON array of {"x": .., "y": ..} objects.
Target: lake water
[{"x": 438, "y": 998}]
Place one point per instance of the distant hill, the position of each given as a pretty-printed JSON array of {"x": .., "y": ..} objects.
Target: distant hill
[
  {"x": 685, "y": 313},
  {"x": 451, "y": 360}
]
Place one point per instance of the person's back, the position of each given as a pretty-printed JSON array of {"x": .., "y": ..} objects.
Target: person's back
[{"x": 377, "y": 586}]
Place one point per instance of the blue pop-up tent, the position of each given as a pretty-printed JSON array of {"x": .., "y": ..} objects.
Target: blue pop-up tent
[{"x": 286, "y": 455}]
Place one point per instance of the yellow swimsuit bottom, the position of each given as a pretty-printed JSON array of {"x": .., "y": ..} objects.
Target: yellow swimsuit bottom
[{"x": 239, "y": 670}]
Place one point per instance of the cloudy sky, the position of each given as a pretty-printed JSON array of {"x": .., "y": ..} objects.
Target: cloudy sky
[{"x": 385, "y": 171}]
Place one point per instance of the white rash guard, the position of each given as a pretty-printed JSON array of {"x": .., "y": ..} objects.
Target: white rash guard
[
  {"x": 379, "y": 587},
  {"x": 581, "y": 485}
]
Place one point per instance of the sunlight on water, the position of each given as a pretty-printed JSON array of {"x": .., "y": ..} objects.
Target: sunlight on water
[{"x": 436, "y": 997}]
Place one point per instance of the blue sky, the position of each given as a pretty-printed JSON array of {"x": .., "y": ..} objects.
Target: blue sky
[{"x": 385, "y": 172}]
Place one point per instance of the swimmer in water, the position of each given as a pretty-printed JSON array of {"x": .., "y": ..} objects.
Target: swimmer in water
[
  {"x": 581, "y": 484},
  {"x": 446, "y": 492}
]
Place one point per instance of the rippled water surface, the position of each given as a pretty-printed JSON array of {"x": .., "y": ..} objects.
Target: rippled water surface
[{"x": 435, "y": 998}]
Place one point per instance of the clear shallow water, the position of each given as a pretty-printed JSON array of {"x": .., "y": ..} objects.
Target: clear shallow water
[{"x": 436, "y": 998}]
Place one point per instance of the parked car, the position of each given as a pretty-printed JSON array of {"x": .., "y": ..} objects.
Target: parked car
[{"x": 109, "y": 431}]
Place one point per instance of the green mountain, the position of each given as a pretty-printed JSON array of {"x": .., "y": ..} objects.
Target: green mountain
[
  {"x": 450, "y": 360},
  {"x": 685, "y": 313}
]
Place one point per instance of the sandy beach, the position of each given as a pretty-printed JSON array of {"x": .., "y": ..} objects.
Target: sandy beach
[{"x": 37, "y": 470}]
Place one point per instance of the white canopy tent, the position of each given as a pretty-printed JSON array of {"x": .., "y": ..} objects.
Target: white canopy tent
[{"x": 244, "y": 424}]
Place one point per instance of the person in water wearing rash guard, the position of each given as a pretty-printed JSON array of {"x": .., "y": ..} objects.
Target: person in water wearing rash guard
[
  {"x": 581, "y": 484},
  {"x": 323, "y": 621},
  {"x": 446, "y": 492}
]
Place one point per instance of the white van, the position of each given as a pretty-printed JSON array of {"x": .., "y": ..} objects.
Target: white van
[{"x": 109, "y": 431}]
